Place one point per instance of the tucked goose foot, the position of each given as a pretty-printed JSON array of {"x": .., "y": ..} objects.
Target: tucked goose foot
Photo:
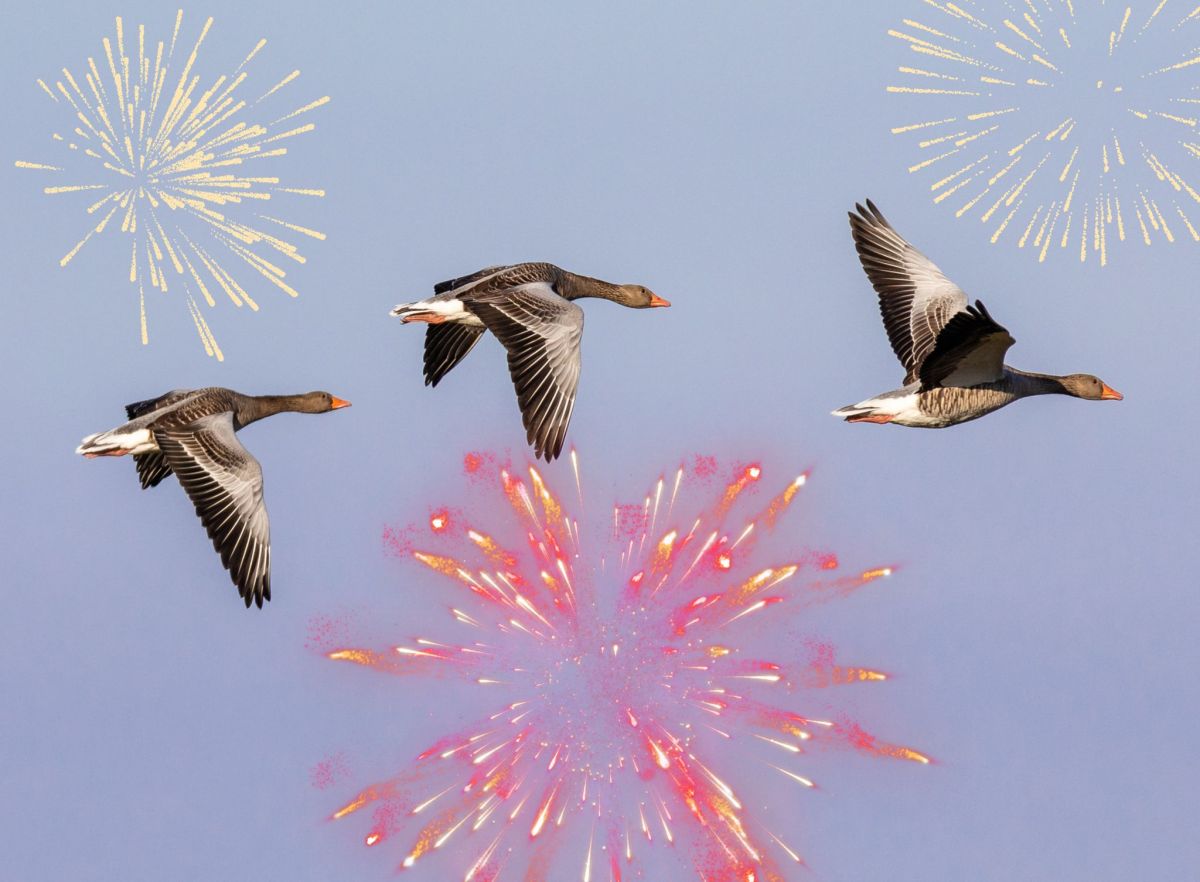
[
  {"x": 432, "y": 317},
  {"x": 871, "y": 418}
]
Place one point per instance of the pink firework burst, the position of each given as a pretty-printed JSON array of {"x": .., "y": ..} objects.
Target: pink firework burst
[{"x": 626, "y": 711}]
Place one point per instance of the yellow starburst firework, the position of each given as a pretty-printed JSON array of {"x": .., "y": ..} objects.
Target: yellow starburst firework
[
  {"x": 1067, "y": 124},
  {"x": 179, "y": 169}
]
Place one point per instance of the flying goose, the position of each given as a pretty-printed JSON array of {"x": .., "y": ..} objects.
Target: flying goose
[
  {"x": 952, "y": 352},
  {"x": 191, "y": 432},
  {"x": 528, "y": 306}
]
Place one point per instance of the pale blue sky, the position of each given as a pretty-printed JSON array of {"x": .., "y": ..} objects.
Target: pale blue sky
[{"x": 1042, "y": 628}]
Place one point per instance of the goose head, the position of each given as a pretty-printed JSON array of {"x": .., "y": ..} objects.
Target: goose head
[
  {"x": 1089, "y": 387},
  {"x": 319, "y": 402},
  {"x": 639, "y": 297}
]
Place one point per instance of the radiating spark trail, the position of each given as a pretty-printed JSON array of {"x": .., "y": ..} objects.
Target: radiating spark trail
[
  {"x": 184, "y": 168},
  {"x": 614, "y": 703},
  {"x": 1059, "y": 110}
]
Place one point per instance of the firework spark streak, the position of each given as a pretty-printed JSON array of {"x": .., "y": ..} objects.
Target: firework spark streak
[
  {"x": 1060, "y": 124},
  {"x": 178, "y": 169},
  {"x": 625, "y": 698}
]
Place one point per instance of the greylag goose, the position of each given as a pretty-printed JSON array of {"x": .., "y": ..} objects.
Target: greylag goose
[
  {"x": 528, "y": 306},
  {"x": 190, "y": 432},
  {"x": 952, "y": 352}
]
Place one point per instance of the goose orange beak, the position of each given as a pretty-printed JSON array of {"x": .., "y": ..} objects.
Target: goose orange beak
[
  {"x": 655, "y": 300},
  {"x": 338, "y": 403},
  {"x": 1108, "y": 393}
]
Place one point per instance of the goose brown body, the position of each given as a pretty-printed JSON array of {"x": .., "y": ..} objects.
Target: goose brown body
[
  {"x": 530, "y": 308},
  {"x": 191, "y": 433},
  {"x": 952, "y": 352}
]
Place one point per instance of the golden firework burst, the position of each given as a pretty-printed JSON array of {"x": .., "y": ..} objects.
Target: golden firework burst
[
  {"x": 179, "y": 170},
  {"x": 1068, "y": 124}
]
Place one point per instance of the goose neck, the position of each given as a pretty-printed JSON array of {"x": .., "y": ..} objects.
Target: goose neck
[
  {"x": 1030, "y": 383},
  {"x": 573, "y": 286}
]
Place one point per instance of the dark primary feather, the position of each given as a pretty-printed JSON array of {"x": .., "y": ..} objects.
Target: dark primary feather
[
  {"x": 915, "y": 297},
  {"x": 541, "y": 332},
  {"x": 445, "y": 346},
  {"x": 454, "y": 284},
  {"x": 151, "y": 468},
  {"x": 224, "y": 483},
  {"x": 970, "y": 350},
  {"x": 140, "y": 408}
]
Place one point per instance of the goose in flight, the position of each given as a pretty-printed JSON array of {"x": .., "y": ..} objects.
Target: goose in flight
[
  {"x": 191, "y": 433},
  {"x": 530, "y": 308},
  {"x": 952, "y": 352}
]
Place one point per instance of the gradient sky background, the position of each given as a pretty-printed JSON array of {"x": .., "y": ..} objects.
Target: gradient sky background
[{"x": 1042, "y": 628}]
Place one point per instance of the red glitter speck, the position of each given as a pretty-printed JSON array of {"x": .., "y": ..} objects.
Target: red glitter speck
[
  {"x": 324, "y": 632},
  {"x": 329, "y": 771},
  {"x": 398, "y": 542},
  {"x": 632, "y": 520}
]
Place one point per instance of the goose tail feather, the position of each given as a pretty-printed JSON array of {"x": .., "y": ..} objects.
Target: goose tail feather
[
  {"x": 865, "y": 413},
  {"x": 403, "y": 310},
  {"x": 851, "y": 410},
  {"x": 435, "y": 310},
  {"x": 116, "y": 442}
]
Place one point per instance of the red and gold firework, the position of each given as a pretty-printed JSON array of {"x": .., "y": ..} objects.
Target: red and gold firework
[{"x": 626, "y": 689}]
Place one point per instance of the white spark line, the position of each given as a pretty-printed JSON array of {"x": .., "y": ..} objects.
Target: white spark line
[{"x": 1077, "y": 149}]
